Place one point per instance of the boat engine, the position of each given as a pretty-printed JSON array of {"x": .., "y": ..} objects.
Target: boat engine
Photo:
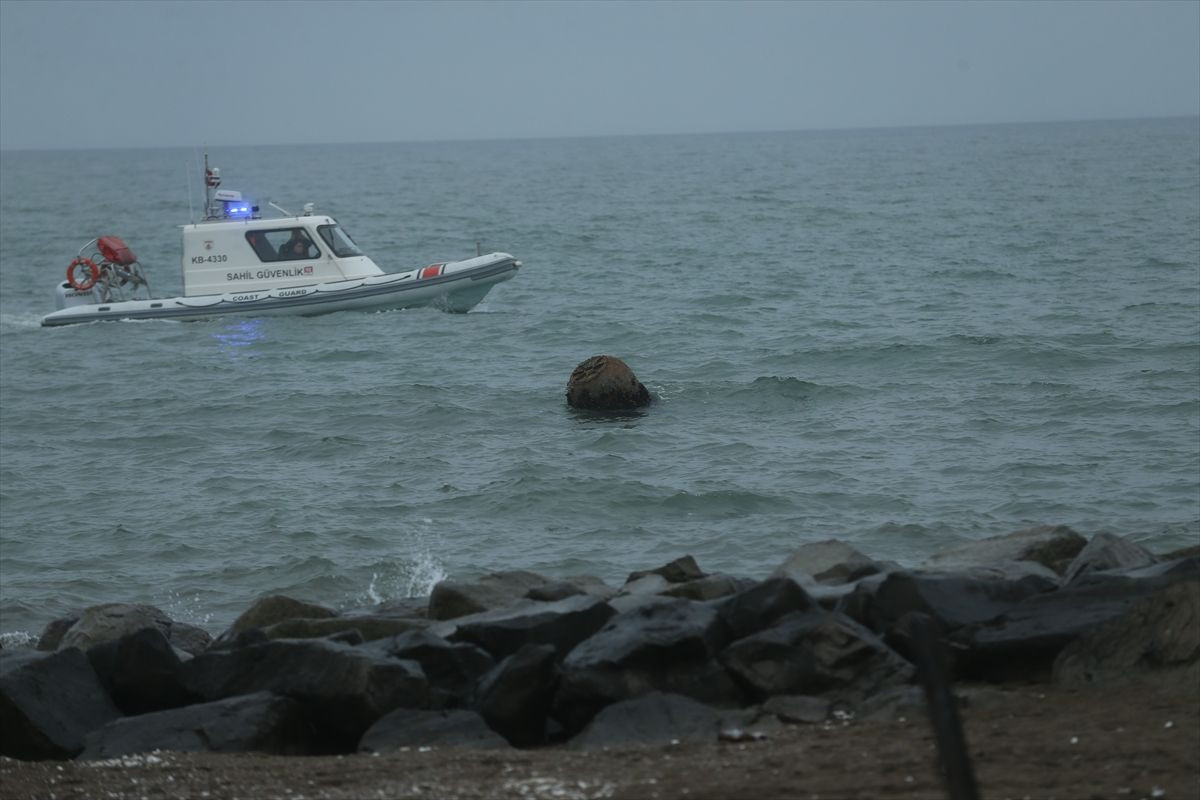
[{"x": 104, "y": 276}]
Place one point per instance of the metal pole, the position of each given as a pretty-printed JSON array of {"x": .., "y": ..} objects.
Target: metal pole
[
  {"x": 943, "y": 709},
  {"x": 207, "y": 189}
]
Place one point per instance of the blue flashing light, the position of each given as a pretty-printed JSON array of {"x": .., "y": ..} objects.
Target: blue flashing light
[{"x": 236, "y": 209}]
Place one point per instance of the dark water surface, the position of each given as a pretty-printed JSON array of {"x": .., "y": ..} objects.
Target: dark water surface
[{"x": 903, "y": 338}]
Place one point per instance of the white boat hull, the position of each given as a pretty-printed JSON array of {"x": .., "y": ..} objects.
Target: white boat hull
[{"x": 455, "y": 286}]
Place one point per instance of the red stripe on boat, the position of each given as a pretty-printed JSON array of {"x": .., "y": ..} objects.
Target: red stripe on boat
[{"x": 432, "y": 271}]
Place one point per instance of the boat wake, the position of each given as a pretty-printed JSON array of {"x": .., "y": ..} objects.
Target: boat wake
[{"x": 20, "y": 321}]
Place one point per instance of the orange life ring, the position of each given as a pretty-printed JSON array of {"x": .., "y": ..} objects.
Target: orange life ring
[{"x": 89, "y": 280}]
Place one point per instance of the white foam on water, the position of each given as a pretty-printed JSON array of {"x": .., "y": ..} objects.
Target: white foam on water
[
  {"x": 423, "y": 569},
  {"x": 424, "y": 572},
  {"x": 13, "y": 640},
  {"x": 372, "y": 593},
  {"x": 186, "y": 608},
  {"x": 24, "y": 320},
  {"x": 414, "y": 576}
]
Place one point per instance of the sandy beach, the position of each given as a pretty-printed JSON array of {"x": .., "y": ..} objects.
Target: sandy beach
[{"x": 1032, "y": 742}]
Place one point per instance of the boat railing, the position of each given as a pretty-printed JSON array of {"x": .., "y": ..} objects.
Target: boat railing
[{"x": 114, "y": 279}]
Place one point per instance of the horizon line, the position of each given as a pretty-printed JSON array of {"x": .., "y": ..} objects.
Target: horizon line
[{"x": 454, "y": 140}]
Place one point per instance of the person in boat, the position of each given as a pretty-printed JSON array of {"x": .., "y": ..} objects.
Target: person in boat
[{"x": 296, "y": 247}]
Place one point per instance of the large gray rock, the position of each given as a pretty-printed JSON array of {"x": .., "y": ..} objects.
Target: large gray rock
[
  {"x": 52, "y": 634},
  {"x": 815, "y": 652},
  {"x": 369, "y": 626},
  {"x": 553, "y": 592},
  {"x": 953, "y": 601},
  {"x": 838, "y": 596},
  {"x": 259, "y": 722},
  {"x": 1051, "y": 546},
  {"x": 569, "y": 587},
  {"x": 1023, "y": 642},
  {"x": 515, "y": 697},
  {"x": 1164, "y": 570},
  {"x": 669, "y": 646},
  {"x": 111, "y": 621},
  {"x": 1191, "y": 551},
  {"x": 830, "y": 561},
  {"x": 191, "y": 639},
  {"x": 605, "y": 383},
  {"x": 1157, "y": 639},
  {"x": 451, "y": 599},
  {"x": 400, "y": 607},
  {"x": 344, "y": 689},
  {"x": 407, "y": 727},
  {"x": 272, "y": 610},
  {"x": 656, "y": 718},
  {"x": 1004, "y": 571},
  {"x": 672, "y": 631},
  {"x": 563, "y": 624},
  {"x": 710, "y": 587},
  {"x": 757, "y": 607},
  {"x": 645, "y": 590},
  {"x": 1108, "y": 552},
  {"x": 141, "y": 672},
  {"x": 646, "y": 583},
  {"x": 452, "y": 668},
  {"x": 49, "y": 702},
  {"x": 681, "y": 570}
]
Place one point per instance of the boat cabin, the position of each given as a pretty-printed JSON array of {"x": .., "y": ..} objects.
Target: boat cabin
[
  {"x": 233, "y": 254},
  {"x": 235, "y": 250}
]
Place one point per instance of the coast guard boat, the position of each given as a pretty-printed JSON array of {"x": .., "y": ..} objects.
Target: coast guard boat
[{"x": 236, "y": 262}]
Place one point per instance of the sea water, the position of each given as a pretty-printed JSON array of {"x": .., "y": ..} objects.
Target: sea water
[{"x": 905, "y": 339}]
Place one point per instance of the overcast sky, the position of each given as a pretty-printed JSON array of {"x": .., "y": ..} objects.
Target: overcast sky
[{"x": 152, "y": 73}]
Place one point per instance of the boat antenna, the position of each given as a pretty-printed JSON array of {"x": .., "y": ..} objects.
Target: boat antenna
[
  {"x": 286, "y": 213},
  {"x": 187, "y": 170},
  {"x": 212, "y": 179}
]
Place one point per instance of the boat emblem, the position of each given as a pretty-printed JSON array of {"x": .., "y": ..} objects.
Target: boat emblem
[{"x": 208, "y": 244}]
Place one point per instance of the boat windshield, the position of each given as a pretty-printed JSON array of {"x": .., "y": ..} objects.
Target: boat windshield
[{"x": 339, "y": 241}]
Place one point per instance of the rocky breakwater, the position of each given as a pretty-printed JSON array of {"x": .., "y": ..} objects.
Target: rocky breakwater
[{"x": 516, "y": 659}]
